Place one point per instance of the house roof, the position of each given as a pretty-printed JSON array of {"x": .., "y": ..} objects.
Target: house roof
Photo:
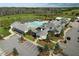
[
  {"x": 43, "y": 32},
  {"x": 59, "y": 17},
  {"x": 20, "y": 26},
  {"x": 55, "y": 25},
  {"x": 24, "y": 49},
  {"x": 27, "y": 25}
]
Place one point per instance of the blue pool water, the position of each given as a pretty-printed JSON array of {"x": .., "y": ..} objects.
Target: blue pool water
[{"x": 37, "y": 23}]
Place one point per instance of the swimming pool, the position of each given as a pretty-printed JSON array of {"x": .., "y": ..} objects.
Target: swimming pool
[{"x": 37, "y": 23}]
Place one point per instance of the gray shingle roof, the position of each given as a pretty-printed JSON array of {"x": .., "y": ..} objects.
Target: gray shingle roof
[
  {"x": 43, "y": 32},
  {"x": 24, "y": 49},
  {"x": 54, "y": 25},
  {"x": 20, "y": 26}
]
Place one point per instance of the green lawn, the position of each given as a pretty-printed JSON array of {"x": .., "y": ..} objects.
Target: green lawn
[
  {"x": 29, "y": 37},
  {"x": 5, "y": 21},
  {"x": 55, "y": 38},
  {"x": 4, "y": 32},
  {"x": 51, "y": 45},
  {"x": 21, "y": 17}
]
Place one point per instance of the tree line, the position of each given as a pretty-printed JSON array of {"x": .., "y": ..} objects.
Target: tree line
[{"x": 23, "y": 10}]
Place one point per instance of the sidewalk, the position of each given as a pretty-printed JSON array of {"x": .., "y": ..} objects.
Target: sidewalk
[
  {"x": 53, "y": 41},
  {"x": 33, "y": 42},
  {"x": 36, "y": 40},
  {"x": 65, "y": 31}
]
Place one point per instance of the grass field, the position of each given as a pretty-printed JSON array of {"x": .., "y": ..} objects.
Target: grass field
[
  {"x": 7, "y": 20},
  {"x": 29, "y": 37},
  {"x": 4, "y": 32},
  {"x": 21, "y": 17}
]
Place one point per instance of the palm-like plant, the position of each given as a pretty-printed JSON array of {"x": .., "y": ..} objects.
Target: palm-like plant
[{"x": 15, "y": 52}]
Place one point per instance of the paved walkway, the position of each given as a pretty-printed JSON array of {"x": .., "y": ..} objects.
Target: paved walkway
[
  {"x": 36, "y": 40},
  {"x": 33, "y": 42},
  {"x": 53, "y": 41},
  {"x": 65, "y": 31},
  {"x": 2, "y": 53},
  {"x": 51, "y": 52}
]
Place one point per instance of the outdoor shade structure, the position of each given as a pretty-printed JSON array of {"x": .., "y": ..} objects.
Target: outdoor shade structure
[{"x": 24, "y": 49}]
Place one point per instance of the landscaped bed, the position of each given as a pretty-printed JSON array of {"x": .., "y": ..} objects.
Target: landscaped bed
[
  {"x": 49, "y": 44},
  {"x": 44, "y": 53},
  {"x": 55, "y": 38},
  {"x": 4, "y": 32},
  {"x": 30, "y": 37}
]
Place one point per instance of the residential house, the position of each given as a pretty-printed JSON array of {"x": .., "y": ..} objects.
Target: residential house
[
  {"x": 40, "y": 28},
  {"x": 25, "y": 48},
  {"x": 55, "y": 25},
  {"x": 24, "y": 27},
  {"x": 20, "y": 27}
]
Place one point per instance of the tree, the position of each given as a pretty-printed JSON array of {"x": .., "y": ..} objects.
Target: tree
[
  {"x": 57, "y": 47},
  {"x": 65, "y": 41},
  {"x": 77, "y": 14},
  {"x": 1, "y": 37},
  {"x": 62, "y": 33},
  {"x": 70, "y": 26},
  {"x": 21, "y": 40},
  {"x": 29, "y": 32},
  {"x": 68, "y": 38},
  {"x": 49, "y": 36},
  {"x": 78, "y": 39},
  {"x": 15, "y": 52},
  {"x": 40, "y": 48},
  {"x": 46, "y": 48}
]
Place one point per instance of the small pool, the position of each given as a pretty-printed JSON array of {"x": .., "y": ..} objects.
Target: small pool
[{"x": 37, "y": 23}]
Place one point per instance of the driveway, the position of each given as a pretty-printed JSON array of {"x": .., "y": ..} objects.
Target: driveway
[{"x": 72, "y": 46}]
